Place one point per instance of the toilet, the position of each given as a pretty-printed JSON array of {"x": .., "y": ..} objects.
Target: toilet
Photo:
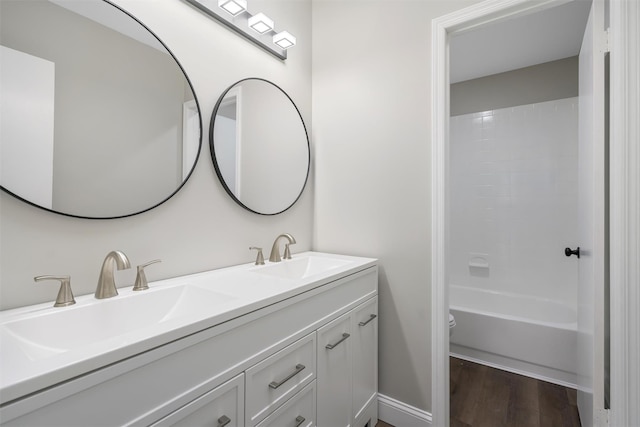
[{"x": 452, "y": 323}]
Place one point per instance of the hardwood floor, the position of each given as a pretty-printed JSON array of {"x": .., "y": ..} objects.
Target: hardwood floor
[
  {"x": 486, "y": 397},
  {"x": 483, "y": 396}
]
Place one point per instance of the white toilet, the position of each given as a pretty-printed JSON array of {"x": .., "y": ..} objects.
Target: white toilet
[{"x": 452, "y": 323}]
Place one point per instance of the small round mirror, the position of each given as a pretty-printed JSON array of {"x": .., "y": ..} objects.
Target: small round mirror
[{"x": 260, "y": 146}]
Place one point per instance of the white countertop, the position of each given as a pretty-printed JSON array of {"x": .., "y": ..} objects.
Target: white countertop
[{"x": 27, "y": 367}]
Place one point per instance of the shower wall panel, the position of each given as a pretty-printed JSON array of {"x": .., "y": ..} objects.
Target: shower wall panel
[{"x": 513, "y": 199}]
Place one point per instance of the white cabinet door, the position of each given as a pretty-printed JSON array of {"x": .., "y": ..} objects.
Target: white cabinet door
[
  {"x": 221, "y": 407},
  {"x": 365, "y": 355},
  {"x": 334, "y": 373}
]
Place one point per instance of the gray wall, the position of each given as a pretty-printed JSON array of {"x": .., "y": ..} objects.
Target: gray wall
[
  {"x": 200, "y": 228},
  {"x": 538, "y": 83},
  {"x": 371, "y": 130}
]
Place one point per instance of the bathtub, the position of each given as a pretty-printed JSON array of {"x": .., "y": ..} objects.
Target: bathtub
[{"x": 526, "y": 335}]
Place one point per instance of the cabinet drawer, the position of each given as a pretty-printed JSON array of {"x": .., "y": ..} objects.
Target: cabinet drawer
[
  {"x": 278, "y": 377},
  {"x": 299, "y": 411},
  {"x": 221, "y": 407}
]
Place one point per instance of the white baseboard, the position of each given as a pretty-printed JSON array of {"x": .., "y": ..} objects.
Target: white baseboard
[{"x": 399, "y": 414}]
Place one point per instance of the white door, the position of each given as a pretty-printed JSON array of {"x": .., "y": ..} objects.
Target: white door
[
  {"x": 27, "y": 89},
  {"x": 190, "y": 136},
  {"x": 591, "y": 221}
]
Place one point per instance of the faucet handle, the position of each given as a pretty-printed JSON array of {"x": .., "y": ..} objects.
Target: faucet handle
[
  {"x": 65, "y": 296},
  {"x": 141, "y": 278},
  {"x": 287, "y": 252},
  {"x": 259, "y": 257}
]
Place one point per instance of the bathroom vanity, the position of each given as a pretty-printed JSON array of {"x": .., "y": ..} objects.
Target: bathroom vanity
[{"x": 292, "y": 343}]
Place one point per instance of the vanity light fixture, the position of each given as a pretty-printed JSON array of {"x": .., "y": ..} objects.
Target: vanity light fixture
[
  {"x": 261, "y": 23},
  {"x": 233, "y": 7},
  {"x": 257, "y": 28},
  {"x": 284, "y": 39}
]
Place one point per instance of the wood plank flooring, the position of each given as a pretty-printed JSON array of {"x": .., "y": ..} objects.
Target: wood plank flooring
[
  {"x": 486, "y": 397},
  {"x": 483, "y": 396}
]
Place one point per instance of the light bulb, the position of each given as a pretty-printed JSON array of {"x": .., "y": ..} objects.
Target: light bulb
[
  {"x": 284, "y": 39},
  {"x": 261, "y": 23},
  {"x": 233, "y": 7}
]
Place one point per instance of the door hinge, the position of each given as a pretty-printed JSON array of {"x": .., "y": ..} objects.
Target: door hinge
[{"x": 606, "y": 43}]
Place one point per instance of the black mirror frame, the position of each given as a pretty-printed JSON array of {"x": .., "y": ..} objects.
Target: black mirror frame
[
  {"x": 195, "y": 162},
  {"x": 213, "y": 151}
]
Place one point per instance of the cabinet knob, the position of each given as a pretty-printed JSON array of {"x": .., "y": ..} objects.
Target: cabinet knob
[
  {"x": 223, "y": 421},
  {"x": 299, "y": 420}
]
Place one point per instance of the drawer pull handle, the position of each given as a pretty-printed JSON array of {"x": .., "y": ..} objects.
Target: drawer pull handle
[
  {"x": 223, "y": 421},
  {"x": 276, "y": 384},
  {"x": 299, "y": 420},
  {"x": 332, "y": 346},
  {"x": 371, "y": 317}
]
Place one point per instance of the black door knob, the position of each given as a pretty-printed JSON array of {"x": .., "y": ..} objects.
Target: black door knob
[{"x": 569, "y": 251}]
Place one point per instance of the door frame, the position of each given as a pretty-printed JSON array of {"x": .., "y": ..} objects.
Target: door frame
[
  {"x": 624, "y": 164},
  {"x": 624, "y": 210}
]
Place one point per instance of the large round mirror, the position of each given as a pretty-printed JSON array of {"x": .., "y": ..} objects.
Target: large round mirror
[
  {"x": 260, "y": 146},
  {"x": 98, "y": 119}
]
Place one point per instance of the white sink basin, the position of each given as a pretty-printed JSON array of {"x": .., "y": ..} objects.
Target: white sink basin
[
  {"x": 300, "y": 268},
  {"x": 57, "y": 331}
]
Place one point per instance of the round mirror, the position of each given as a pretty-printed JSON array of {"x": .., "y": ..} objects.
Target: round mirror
[
  {"x": 260, "y": 146},
  {"x": 98, "y": 119}
]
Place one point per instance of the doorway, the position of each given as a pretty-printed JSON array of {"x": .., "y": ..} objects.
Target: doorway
[{"x": 459, "y": 23}]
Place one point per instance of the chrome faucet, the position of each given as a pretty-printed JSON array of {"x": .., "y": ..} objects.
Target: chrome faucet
[
  {"x": 106, "y": 282},
  {"x": 275, "y": 250}
]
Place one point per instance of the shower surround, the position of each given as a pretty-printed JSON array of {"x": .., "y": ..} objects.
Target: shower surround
[{"x": 513, "y": 205}]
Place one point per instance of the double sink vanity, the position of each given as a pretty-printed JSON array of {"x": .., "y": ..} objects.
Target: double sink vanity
[{"x": 290, "y": 343}]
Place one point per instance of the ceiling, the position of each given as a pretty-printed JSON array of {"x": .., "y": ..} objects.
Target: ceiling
[
  {"x": 112, "y": 17},
  {"x": 519, "y": 42}
]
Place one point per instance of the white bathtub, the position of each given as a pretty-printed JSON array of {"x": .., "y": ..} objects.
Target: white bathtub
[{"x": 526, "y": 335}]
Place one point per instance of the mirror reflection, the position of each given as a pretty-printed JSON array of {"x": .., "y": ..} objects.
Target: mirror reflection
[
  {"x": 98, "y": 119},
  {"x": 259, "y": 146}
]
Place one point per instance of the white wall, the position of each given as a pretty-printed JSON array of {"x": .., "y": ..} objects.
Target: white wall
[
  {"x": 371, "y": 109},
  {"x": 200, "y": 228},
  {"x": 514, "y": 187}
]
